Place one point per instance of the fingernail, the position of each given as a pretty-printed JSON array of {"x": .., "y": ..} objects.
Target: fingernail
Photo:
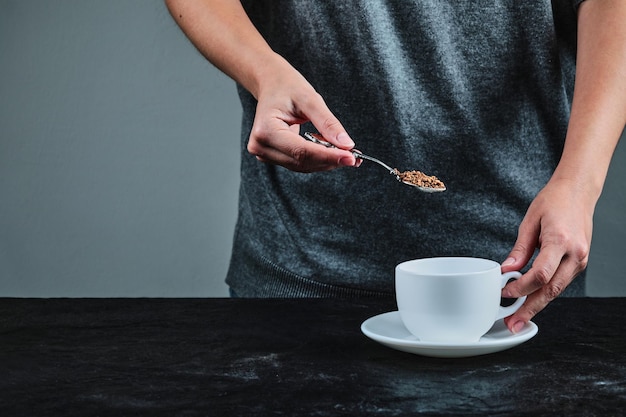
[
  {"x": 506, "y": 293},
  {"x": 347, "y": 161},
  {"x": 508, "y": 261},
  {"x": 518, "y": 326},
  {"x": 345, "y": 140}
]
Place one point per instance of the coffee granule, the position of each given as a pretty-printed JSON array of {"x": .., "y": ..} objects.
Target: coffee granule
[{"x": 419, "y": 179}]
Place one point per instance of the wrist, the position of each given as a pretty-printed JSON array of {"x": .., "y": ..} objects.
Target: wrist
[
  {"x": 586, "y": 183},
  {"x": 268, "y": 73}
]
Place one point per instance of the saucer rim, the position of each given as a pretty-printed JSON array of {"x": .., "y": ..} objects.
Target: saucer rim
[{"x": 529, "y": 330}]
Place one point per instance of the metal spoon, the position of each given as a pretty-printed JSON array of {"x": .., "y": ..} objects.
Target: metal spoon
[{"x": 317, "y": 138}]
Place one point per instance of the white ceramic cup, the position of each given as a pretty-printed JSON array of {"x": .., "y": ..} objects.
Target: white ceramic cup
[{"x": 451, "y": 300}]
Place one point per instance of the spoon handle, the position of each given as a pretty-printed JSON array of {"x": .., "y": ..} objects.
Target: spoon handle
[
  {"x": 378, "y": 161},
  {"x": 317, "y": 138}
]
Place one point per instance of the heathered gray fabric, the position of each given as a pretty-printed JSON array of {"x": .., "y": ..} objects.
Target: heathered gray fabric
[{"x": 475, "y": 92}]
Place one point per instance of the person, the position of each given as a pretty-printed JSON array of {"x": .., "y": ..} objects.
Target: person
[{"x": 516, "y": 106}]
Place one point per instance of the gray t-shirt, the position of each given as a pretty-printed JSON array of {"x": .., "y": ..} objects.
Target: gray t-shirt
[{"x": 477, "y": 93}]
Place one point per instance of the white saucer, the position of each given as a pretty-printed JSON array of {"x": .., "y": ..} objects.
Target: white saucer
[{"x": 389, "y": 330}]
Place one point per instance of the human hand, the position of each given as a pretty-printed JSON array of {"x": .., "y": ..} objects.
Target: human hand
[
  {"x": 558, "y": 223},
  {"x": 284, "y": 103}
]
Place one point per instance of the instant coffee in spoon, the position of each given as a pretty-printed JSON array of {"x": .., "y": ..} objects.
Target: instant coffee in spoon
[{"x": 419, "y": 179}]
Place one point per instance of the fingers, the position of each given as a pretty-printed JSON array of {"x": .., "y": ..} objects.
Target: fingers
[
  {"x": 524, "y": 247},
  {"x": 541, "y": 297},
  {"x": 552, "y": 271},
  {"x": 540, "y": 274},
  {"x": 559, "y": 260},
  {"x": 293, "y": 152},
  {"x": 275, "y": 135}
]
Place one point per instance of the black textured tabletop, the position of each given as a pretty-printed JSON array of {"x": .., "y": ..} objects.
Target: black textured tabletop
[{"x": 292, "y": 357}]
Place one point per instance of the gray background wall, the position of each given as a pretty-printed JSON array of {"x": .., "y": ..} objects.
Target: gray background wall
[{"x": 119, "y": 158}]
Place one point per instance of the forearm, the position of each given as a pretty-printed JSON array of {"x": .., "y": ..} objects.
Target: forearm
[
  {"x": 223, "y": 33},
  {"x": 599, "y": 104}
]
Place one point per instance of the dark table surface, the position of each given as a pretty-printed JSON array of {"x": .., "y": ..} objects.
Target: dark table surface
[{"x": 227, "y": 357}]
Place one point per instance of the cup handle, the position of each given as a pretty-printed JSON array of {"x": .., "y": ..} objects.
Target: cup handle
[{"x": 507, "y": 311}]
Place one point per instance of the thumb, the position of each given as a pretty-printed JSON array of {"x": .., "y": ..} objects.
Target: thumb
[{"x": 521, "y": 253}]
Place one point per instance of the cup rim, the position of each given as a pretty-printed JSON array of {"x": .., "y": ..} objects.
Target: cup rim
[{"x": 408, "y": 266}]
